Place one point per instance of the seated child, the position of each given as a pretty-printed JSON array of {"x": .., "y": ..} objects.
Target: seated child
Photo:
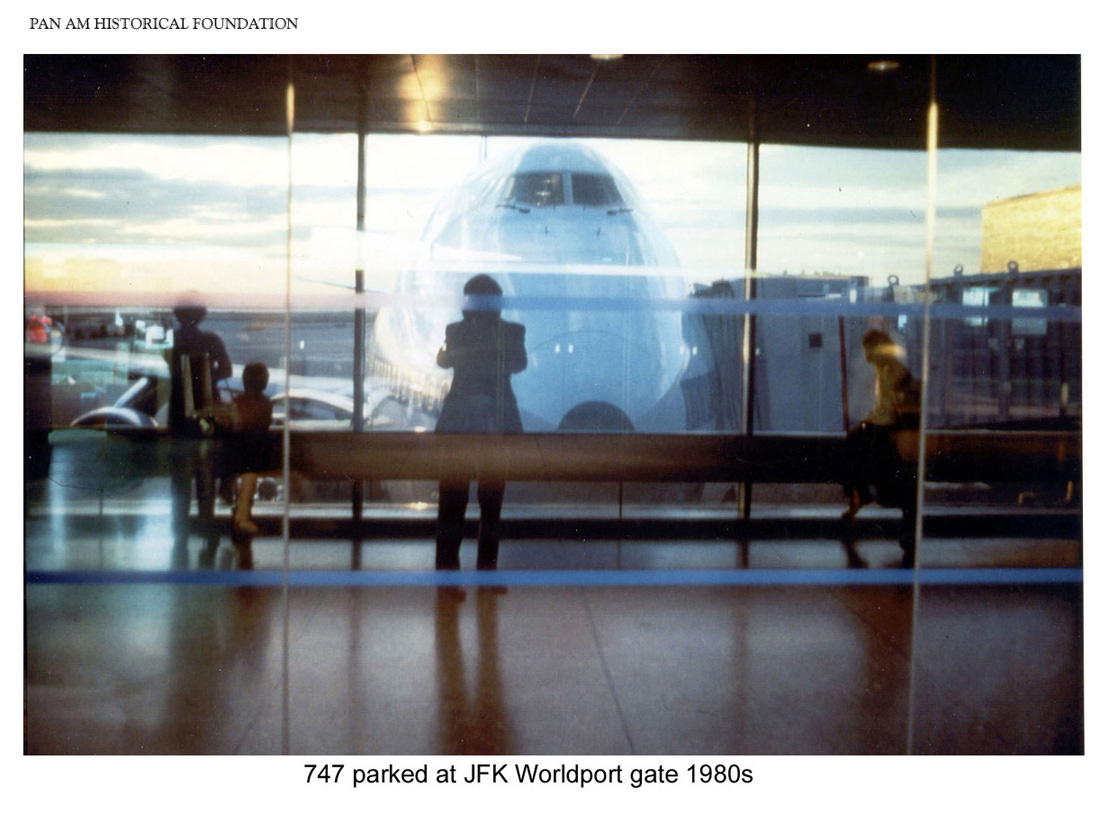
[{"x": 250, "y": 448}]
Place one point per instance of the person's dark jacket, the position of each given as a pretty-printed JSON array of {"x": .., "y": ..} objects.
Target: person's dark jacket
[{"x": 484, "y": 351}]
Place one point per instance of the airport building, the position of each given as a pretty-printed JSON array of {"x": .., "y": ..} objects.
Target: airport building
[{"x": 752, "y": 386}]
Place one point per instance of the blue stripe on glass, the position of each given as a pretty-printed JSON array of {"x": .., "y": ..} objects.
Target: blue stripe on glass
[{"x": 678, "y": 578}]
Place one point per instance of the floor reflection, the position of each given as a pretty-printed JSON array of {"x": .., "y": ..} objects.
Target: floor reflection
[
  {"x": 471, "y": 710},
  {"x": 183, "y": 669},
  {"x": 557, "y": 669},
  {"x": 146, "y": 670}
]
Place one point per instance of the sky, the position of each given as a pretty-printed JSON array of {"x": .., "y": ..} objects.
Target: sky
[{"x": 147, "y": 213}]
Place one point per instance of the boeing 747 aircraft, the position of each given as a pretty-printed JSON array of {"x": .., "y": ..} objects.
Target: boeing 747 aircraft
[{"x": 582, "y": 266}]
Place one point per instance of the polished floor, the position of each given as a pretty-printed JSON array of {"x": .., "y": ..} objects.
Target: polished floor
[
  {"x": 587, "y": 647},
  {"x": 616, "y": 670}
]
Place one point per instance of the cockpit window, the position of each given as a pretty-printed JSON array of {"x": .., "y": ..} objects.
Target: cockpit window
[
  {"x": 595, "y": 190},
  {"x": 535, "y": 189}
]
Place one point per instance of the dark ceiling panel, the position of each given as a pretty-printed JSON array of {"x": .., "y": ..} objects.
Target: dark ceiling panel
[{"x": 1018, "y": 102}]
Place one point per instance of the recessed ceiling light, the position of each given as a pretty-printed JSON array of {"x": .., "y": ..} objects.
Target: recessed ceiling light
[
  {"x": 606, "y": 57},
  {"x": 883, "y": 65}
]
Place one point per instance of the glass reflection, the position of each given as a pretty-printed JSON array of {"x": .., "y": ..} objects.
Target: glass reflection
[
  {"x": 616, "y": 349},
  {"x": 664, "y": 365}
]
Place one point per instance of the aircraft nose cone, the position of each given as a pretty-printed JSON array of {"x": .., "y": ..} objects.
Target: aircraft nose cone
[{"x": 589, "y": 367}]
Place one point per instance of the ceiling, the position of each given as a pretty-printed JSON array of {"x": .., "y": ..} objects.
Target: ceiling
[{"x": 1014, "y": 102}]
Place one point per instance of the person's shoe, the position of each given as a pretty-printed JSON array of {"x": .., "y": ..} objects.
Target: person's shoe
[
  {"x": 854, "y": 560},
  {"x": 244, "y": 528},
  {"x": 855, "y": 501}
]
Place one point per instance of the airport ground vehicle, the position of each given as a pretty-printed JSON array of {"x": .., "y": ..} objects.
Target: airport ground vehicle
[{"x": 143, "y": 404}]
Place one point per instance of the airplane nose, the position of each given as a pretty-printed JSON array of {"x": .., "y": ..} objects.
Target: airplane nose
[{"x": 598, "y": 368}]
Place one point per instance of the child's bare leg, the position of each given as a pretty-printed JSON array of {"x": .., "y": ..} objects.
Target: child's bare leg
[{"x": 242, "y": 523}]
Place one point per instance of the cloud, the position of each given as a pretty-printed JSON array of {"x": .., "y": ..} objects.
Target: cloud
[
  {"x": 120, "y": 206},
  {"x": 857, "y": 211}
]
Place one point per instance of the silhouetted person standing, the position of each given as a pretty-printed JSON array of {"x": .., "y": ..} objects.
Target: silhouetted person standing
[
  {"x": 192, "y": 460},
  {"x": 484, "y": 351},
  {"x": 190, "y": 341},
  {"x": 38, "y": 403}
]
